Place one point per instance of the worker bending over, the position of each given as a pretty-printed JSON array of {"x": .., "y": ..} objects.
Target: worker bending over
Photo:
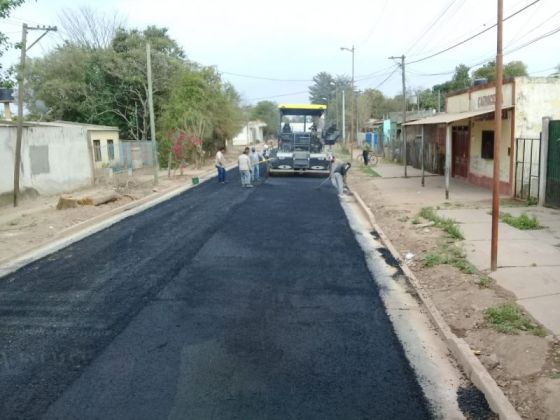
[{"x": 339, "y": 168}]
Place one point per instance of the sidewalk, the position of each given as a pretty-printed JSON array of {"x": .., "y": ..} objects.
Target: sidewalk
[{"x": 528, "y": 260}]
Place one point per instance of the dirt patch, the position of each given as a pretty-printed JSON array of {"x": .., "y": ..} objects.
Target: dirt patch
[
  {"x": 525, "y": 366},
  {"x": 36, "y": 221}
]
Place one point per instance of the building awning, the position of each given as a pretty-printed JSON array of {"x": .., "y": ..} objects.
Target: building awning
[{"x": 449, "y": 117}]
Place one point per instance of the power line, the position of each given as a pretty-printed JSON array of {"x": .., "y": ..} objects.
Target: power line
[
  {"x": 473, "y": 36},
  {"x": 278, "y": 96},
  {"x": 520, "y": 37},
  {"x": 506, "y": 52},
  {"x": 372, "y": 30},
  {"x": 545, "y": 35},
  {"x": 430, "y": 26},
  {"x": 396, "y": 67},
  {"x": 466, "y": 33},
  {"x": 271, "y": 79}
]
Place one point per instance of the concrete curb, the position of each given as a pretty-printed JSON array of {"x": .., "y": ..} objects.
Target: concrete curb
[
  {"x": 472, "y": 367},
  {"x": 98, "y": 223}
]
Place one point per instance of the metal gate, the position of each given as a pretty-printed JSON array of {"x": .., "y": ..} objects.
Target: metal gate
[
  {"x": 552, "y": 195},
  {"x": 527, "y": 168}
]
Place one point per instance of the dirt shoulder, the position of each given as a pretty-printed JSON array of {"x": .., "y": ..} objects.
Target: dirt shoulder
[
  {"x": 37, "y": 222},
  {"x": 526, "y": 365}
]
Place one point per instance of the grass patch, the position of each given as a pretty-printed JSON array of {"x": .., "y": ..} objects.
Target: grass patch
[
  {"x": 450, "y": 255},
  {"x": 485, "y": 282},
  {"x": 416, "y": 220},
  {"x": 509, "y": 319},
  {"x": 448, "y": 225},
  {"x": 523, "y": 222},
  {"x": 369, "y": 171}
]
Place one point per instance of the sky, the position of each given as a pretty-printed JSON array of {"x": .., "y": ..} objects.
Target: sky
[{"x": 291, "y": 41}]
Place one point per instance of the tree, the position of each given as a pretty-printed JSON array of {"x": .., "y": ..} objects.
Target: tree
[
  {"x": 266, "y": 111},
  {"x": 90, "y": 29},
  {"x": 511, "y": 69},
  {"x": 515, "y": 69},
  {"x": 323, "y": 89},
  {"x": 107, "y": 85},
  {"x": 6, "y": 7},
  {"x": 202, "y": 107},
  {"x": 460, "y": 80}
]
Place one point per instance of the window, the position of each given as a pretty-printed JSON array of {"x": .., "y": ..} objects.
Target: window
[
  {"x": 487, "y": 151},
  {"x": 110, "y": 150},
  {"x": 97, "y": 150}
]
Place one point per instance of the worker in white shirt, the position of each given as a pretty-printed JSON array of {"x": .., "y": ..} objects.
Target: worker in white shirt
[
  {"x": 221, "y": 165},
  {"x": 244, "y": 163},
  {"x": 255, "y": 157}
]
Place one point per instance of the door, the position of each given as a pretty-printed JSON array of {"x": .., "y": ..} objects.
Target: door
[
  {"x": 552, "y": 197},
  {"x": 460, "y": 151}
]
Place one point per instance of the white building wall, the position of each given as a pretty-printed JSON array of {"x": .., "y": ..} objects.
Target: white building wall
[
  {"x": 251, "y": 133},
  {"x": 485, "y": 167},
  {"x": 535, "y": 98},
  {"x": 54, "y": 159}
]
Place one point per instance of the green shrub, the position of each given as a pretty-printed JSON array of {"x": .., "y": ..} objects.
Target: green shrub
[
  {"x": 448, "y": 225},
  {"x": 523, "y": 222},
  {"x": 509, "y": 319}
]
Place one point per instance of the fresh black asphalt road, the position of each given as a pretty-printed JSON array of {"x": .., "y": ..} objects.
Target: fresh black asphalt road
[{"x": 222, "y": 303}]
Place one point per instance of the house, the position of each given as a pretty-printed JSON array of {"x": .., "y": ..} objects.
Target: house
[
  {"x": 464, "y": 134},
  {"x": 251, "y": 133},
  {"x": 391, "y": 133},
  {"x": 56, "y": 156}
]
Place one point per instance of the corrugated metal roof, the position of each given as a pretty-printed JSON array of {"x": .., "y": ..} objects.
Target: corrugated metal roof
[{"x": 449, "y": 117}]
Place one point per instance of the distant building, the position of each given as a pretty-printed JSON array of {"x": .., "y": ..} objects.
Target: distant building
[
  {"x": 56, "y": 156},
  {"x": 251, "y": 133}
]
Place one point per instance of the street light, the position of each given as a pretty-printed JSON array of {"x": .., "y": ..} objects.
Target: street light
[{"x": 352, "y": 133}]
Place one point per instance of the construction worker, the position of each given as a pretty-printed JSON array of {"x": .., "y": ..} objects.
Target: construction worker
[
  {"x": 255, "y": 158},
  {"x": 221, "y": 165},
  {"x": 339, "y": 168},
  {"x": 244, "y": 163}
]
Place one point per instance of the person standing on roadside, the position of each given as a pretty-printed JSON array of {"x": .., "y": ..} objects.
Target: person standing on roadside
[
  {"x": 221, "y": 165},
  {"x": 255, "y": 158},
  {"x": 365, "y": 153},
  {"x": 244, "y": 163}
]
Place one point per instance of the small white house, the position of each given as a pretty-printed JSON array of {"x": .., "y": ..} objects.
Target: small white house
[
  {"x": 55, "y": 157},
  {"x": 251, "y": 133}
]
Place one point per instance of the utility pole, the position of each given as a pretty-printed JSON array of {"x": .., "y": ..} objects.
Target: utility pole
[
  {"x": 353, "y": 105},
  {"x": 152, "y": 117},
  {"x": 344, "y": 116},
  {"x": 21, "y": 86},
  {"x": 497, "y": 141},
  {"x": 403, "y": 127}
]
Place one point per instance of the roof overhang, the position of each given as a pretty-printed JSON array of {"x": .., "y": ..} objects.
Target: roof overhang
[
  {"x": 315, "y": 110},
  {"x": 449, "y": 117}
]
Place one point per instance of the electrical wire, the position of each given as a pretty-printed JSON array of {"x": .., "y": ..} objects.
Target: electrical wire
[
  {"x": 468, "y": 32},
  {"x": 278, "y": 96},
  {"x": 374, "y": 28},
  {"x": 430, "y": 26},
  {"x": 387, "y": 78},
  {"x": 472, "y": 36},
  {"x": 271, "y": 79}
]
